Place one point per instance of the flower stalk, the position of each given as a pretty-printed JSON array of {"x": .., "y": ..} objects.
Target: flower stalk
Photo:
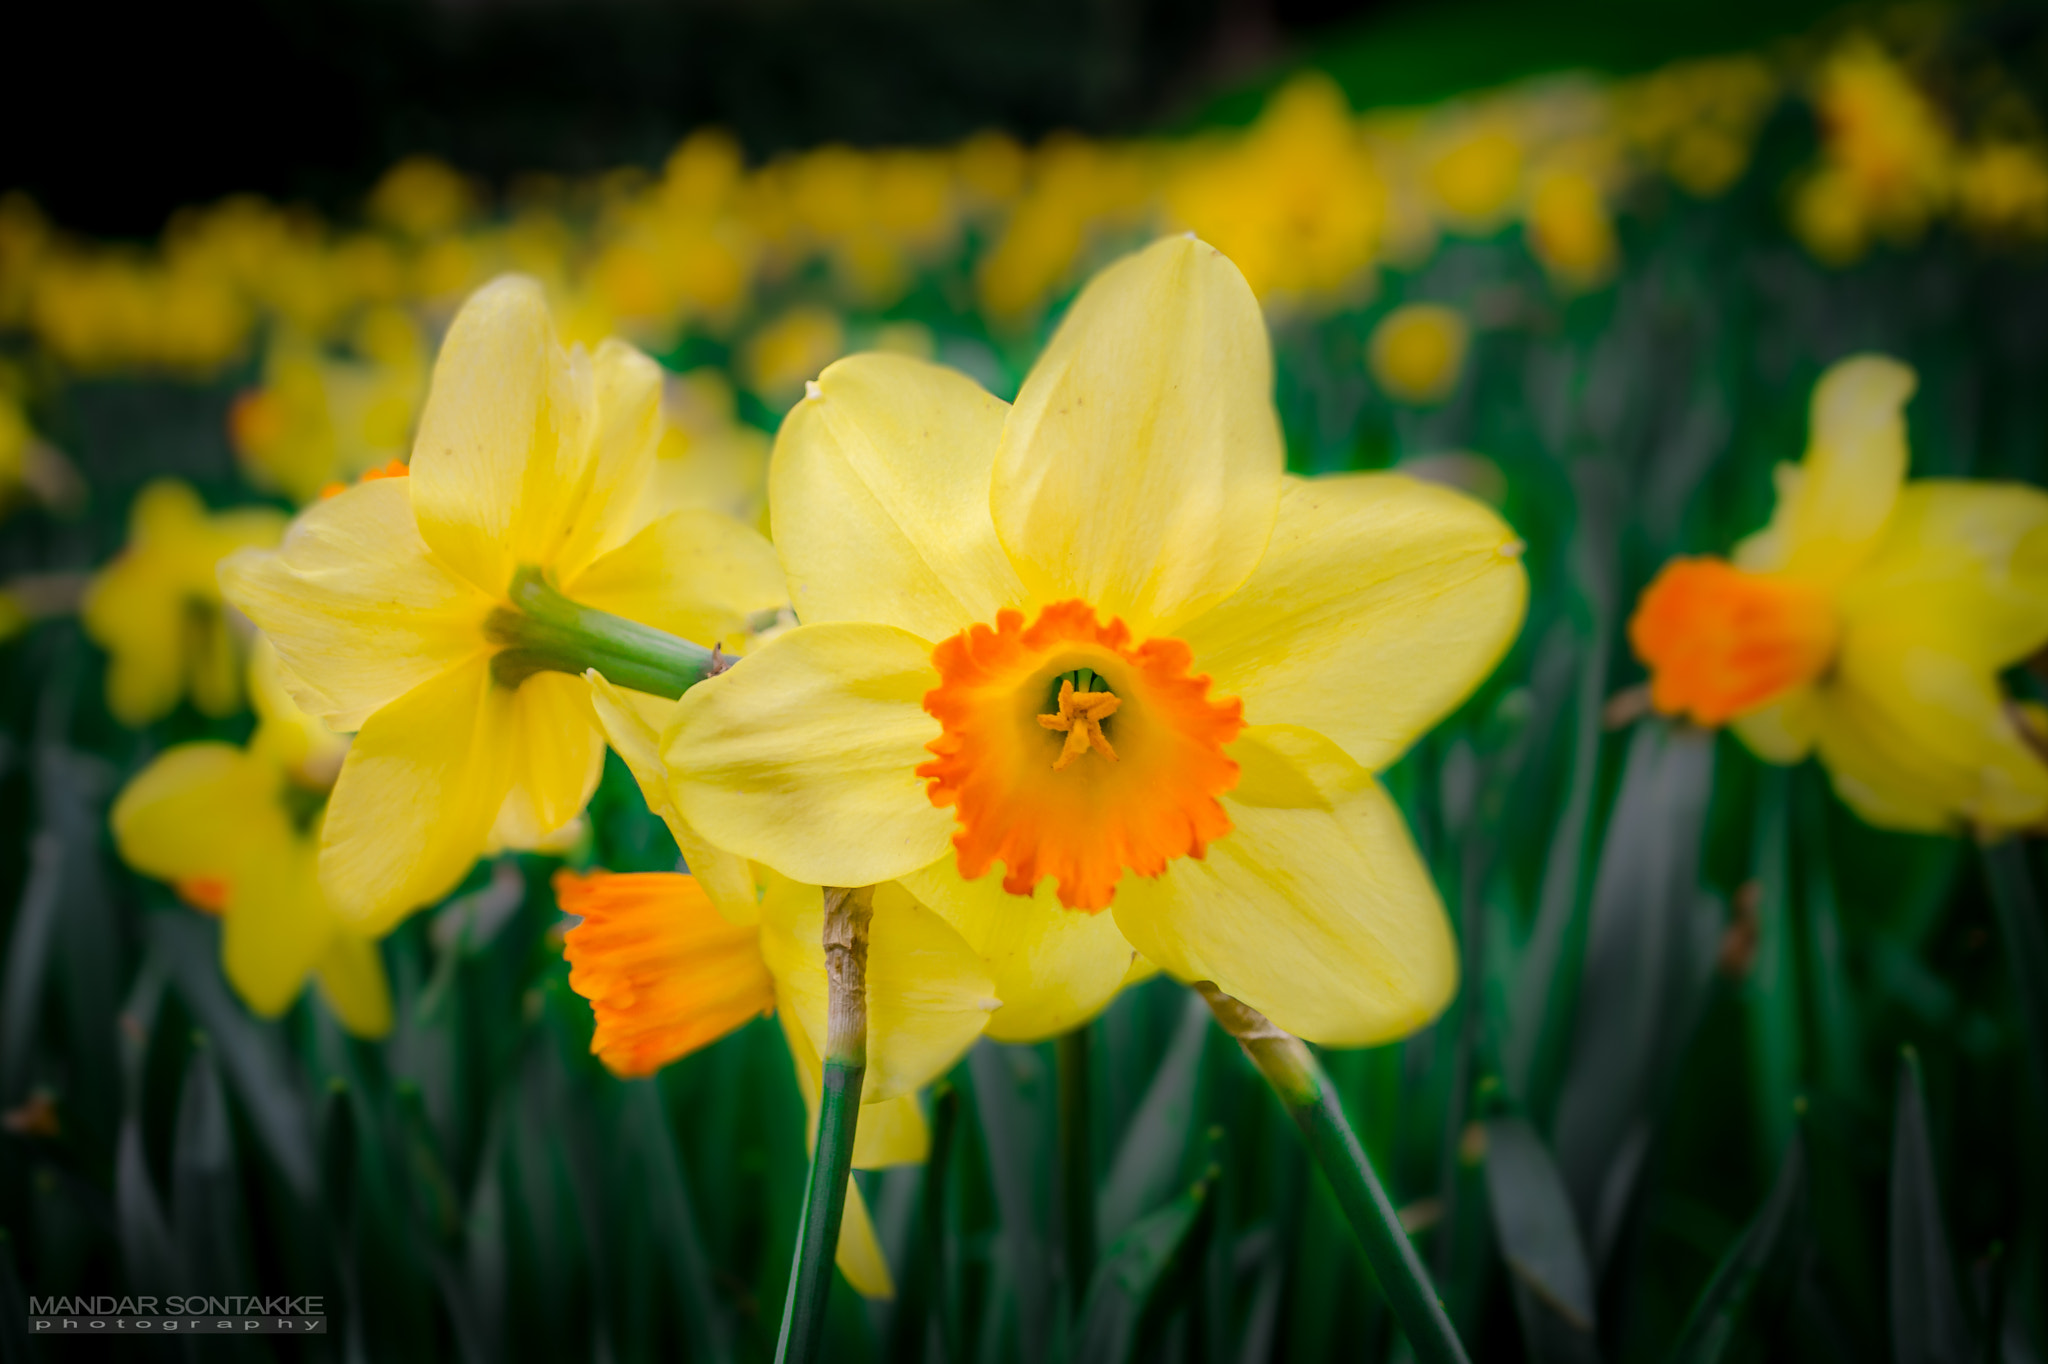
[
  {"x": 543, "y": 631},
  {"x": 1301, "y": 1086},
  {"x": 847, "y": 912}
]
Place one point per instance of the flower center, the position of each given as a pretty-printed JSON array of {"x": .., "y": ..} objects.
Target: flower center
[
  {"x": 208, "y": 894},
  {"x": 1072, "y": 793},
  {"x": 1720, "y": 642}
]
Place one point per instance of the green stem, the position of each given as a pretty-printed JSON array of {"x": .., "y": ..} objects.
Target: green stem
[
  {"x": 846, "y": 1063},
  {"x": 1077, "y": 1168},
  {"x": 1299, "y": 1082},
  {"x": 543, "y": 631},
  {"x": 2026, "y": 946}
]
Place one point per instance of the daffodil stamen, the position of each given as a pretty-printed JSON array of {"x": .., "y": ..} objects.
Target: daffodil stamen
[{"x": 1079, "y": 717}]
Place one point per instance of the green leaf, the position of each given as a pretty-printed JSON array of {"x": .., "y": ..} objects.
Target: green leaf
[
  {"x": 1649, "y": 956},
  {"x": 1719, "y": 1308},
  {"x": 1010, "y": 1099},
  {"x": 705, "y": 1329},
  {"x": 1153, "y": 1152},
  {"x": 2020, "y": 924},
  {"x": 206, "y": 1195},
  {"x": 1539, "y": 1238},
  {"x": 1928, "y": 1326},
  {"x": 1131, "y": 1271},
  {"x": 1770, "y": 992}
]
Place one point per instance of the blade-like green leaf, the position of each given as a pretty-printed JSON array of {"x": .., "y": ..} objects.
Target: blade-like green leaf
[
  {"x": 1540, "y": 1239},
  {"x": 1718, "y": 1309},
  {"x": 1649, "y": 955},
  {"x": 1153, "y": 1152},
  {"x": 1010, "y": 1098},
  {"x": 1928, "y": 1325},
  {"x": 1132, "y": 1268},
  {"x": 696, "y": 1300},
  {"x": 206, "y": 1196},
  {"x": 2020, "y": 924}
]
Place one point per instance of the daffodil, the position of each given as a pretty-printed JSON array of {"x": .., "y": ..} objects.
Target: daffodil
[
  {"x": 236, "y": 832},
  {"x": 1868, "y": 622},
  {"x": 317, "y": 421},
  {"x": 430, "y": 613},
  {"x": 156, "y": 608},
  {"x": 1417, "y": 352},
  {"x": 974, "y": 577},
  {"x": 666, "y": 972}
]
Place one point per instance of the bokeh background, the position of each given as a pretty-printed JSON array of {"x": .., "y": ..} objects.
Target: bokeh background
[{"x": 1584, "y": 260}]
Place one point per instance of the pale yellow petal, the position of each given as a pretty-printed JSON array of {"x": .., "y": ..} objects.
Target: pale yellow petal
[
  {"x": 360, "y": 609},
  {"x": 928, "y": 994},
  {"x": 695, "y": 573},
  {"x": 504, "y": 433},
  {"x": 276, "y": 927},
  {"x": 352, "y": 981},
  {"x": 1833, "y": 506},
  {"x": 1053, "y": 968},
  {"x": 859, "y": 1255},
  {"x": 1140, "y": 468},
  {"x": 1918, "y": 739},
  {"x": 632, "y": 723},
  {"x": 1315, "y": 909},
  {"x": 196, "y": 812},
  {"x": 142, "y": 627},
  {"x": 1380, "y": 604},
  {"x": 879, "y": 494},
  {"x": 803, "y": 756},
  {"x": 1783, "y": 731},
  {"x": 1963, "y": 568},
  {"x": 416, "y": 799},
  {"x": 556, "y": 753},
  {"x": 601, "y": 506},
  {"x": 892, "y": 1132}
]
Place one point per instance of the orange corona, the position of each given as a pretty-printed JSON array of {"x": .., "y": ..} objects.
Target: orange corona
[
  {"x": 1076, "y": 783},
  {"x": 1720, "y": 642}
]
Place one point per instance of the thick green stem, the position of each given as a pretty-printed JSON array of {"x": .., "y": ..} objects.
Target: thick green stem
[
  {"x": 2018, "y": 911},
  {"x": 846, "y": 1063},
  {"x": 1299, "y": 1082},
  {"x": 543, "y": 631},
  {"x": 1077, "y": 1168}
]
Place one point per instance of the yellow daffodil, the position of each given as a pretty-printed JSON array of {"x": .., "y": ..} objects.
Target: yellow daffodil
[
  {"x": 790, "y": 349},
  {"x": 1569, "y": 228},
  {"x": 666, "y": 972},
  {"x": 393, "y": 607},
  {"x": 1888, "y": 160},
  {"x": 708, "y": 456},
  {"x": 236, "y": 832},
  {"x": 1418, "y": 351},
  {"x": 156, "y": 609},
  {"x": 972, "y": 576},
  {"x": 317, "y": 420},
  {"x": 1868, "y": 622}
]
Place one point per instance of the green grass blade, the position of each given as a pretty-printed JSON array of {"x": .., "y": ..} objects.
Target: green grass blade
[
  {"x": 1718, "y": 1310},
  {"x": 1153, "y": 1152},
  {"x": 2018, "y": 909},
  {"x": 817, "y": 1237},
  {"x": 1133, "y": 1267},
  {"x": 1540, "y": 1240},
  {"x": 1928, "y": 1326}
]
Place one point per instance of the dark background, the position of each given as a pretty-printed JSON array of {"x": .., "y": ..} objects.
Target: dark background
[{"x": 116, "y": 115}]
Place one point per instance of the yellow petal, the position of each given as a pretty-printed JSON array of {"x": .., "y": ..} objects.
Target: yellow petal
[
  {"x": 632, "y": 723},
  {"x": 1140, "y": 468},
  {"x": 803, "y": 756},
  {"x": 276, "y": 927},
  {"x": 284, "y": 732},
  {"x": 695, "y": 573},
  {"x": 1783, "y": 731},
  {"x": 879, "y": 491},
  {"x": 599, "y": 506},
  {"x": 1921, "y": 740},
  {"x": 859, "y": 1255},
  {"x": 196, "y": 811},
  {"x": 143, "y": 633},
  {"x": 1052, "y": 968},
  {"x": 1380, "y": 604},
  {"x": 557, "y": 754},
  {"x": 416, "y": 799},
  {"x": 1832, "y": 507},
  {"x": 213, "y": 664},
  {"x": 1963, "y": 568},
  {"x": 1315, "y": 909},
  {"x": 360, "y": 609},
  {"x": 928, "y": 994},
  {"x": 353, "y": 983},
  {"x": 505, "y": 430}
]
